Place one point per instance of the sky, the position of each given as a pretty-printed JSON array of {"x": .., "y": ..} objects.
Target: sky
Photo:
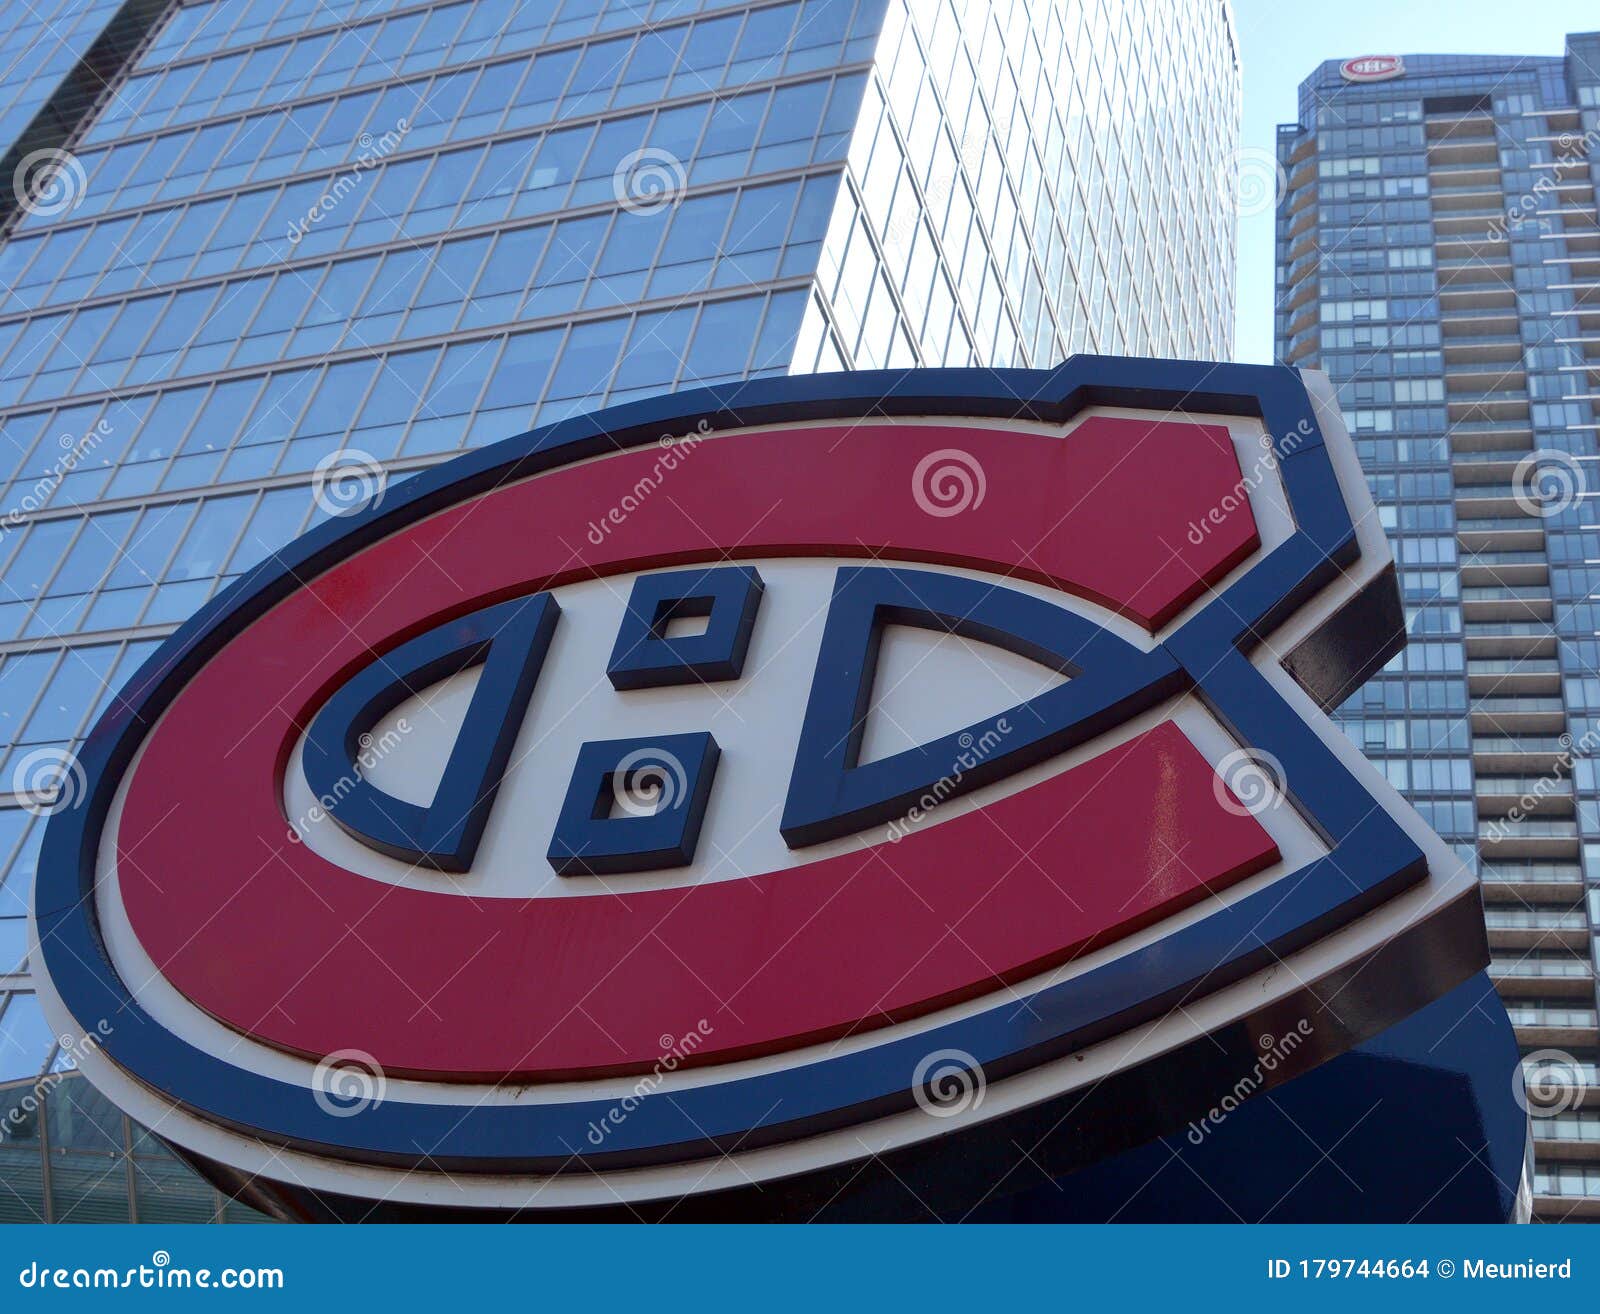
[{"x": 1280, "y": 43}]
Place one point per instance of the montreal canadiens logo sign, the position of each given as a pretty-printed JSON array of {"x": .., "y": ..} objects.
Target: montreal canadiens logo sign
[
  {"x": 774, "y": 801},
  {"x": 1372, "y": 68}
]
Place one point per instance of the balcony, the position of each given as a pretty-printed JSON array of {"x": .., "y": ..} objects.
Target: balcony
[
  {"x": 1305, "y": 320},
  {"x": 1296, "y": 295},
  {"x": 1588, "y": 373},
  {"x": 1565, "y": 1192},
  {"x": 1524, "y": 796},
  {"x": 1479, "y": 531},
  {"x": 1557, "y": 119},
  {"x": 1468, "y": 150},
  {"x": 1302, "y": 349},
  {"x": 1307, "y": 264},
  {"x": 1505, "y": 347},
  {"x": 1509, "y": 639},
  {"x": 1460, "y": 125},
  {"x": 1476, "y": 296},
  {"x": 1505, "y": 675},
  {"x": 1471, "y": 234},
  {"x": 1467, "y": 195},
  {"x": 1302, "y": 244},
  {"x": 1581, "y": 264},
  {"x": 1493, "y": 602},
  {"x": 1493, "y": 270},
  {"x": 1532, "y": 882},
  {"x": 1505, "y": 568},
  {"x": 1538, "y": 917},
  {"x": 1301, "y": 172},
  {"x": 1517, "y": 716},
  {"x": 1569, "y": 1135},
  {"x": 1589, "y": 346},
  {"x": 1467, "y": 323},
  {"x": 1469, "y": 408},
  {"x": 1450, "y": 175},
  {"x": 1567, "y": 216},
  {"x": 1500, "y": 840},
  {"x": 1581, "y": 240},
  {"x": 1550, "y": 1025},
  {"x": 1490, "y": 435},
  {"x": 1535, "y": 755},
  {"x": 1484, "y": 379},
  {"x": 1543, "y": 972},
  {"x": 1488, "y": 501},
  {"x": 1484, "y": 468},
  {"x": 1568, "y": 190},
  {"x": 1301, "y": 196},
  {"x": 1571, "y": 1082}
]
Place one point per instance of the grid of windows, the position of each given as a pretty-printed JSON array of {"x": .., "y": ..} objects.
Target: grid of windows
[
  {"x": 655, "y": 62},
  {"x": 39, "y": 44},
  {"x": 1008, "y": 200},
  {"x": 586, "y": 262},
  {"x": 1436, "y": 244},
  {"x": 407, "y": 197},
  {"x": 397, "y": 404},
  {"x": 423, "y": 113},
  {"x": 205, "y": 28},
  {"x": 314, "y": 231}
]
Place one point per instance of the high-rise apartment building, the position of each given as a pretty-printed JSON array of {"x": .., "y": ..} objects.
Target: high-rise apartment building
[
  {"x": 299, "y": 247},
  {"x": 1438, "y": 255}
]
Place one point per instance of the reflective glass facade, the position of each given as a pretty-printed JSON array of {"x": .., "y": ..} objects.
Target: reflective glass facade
[
  {"x": 1438, "y": 255},
  {"x": 313, "y": 236},
  {"x": 39, "y": 45}
]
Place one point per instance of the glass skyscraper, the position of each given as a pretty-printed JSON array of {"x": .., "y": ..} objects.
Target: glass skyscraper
[
  {"x": 291, "y": 247},
  {"x": 1438, "y": 255}
]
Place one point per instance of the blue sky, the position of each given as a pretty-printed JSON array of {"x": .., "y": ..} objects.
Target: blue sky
[{"x": 1280, "y": 43}]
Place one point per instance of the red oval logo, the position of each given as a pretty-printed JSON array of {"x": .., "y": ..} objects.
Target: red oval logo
[{"x": 1372, "y": 68}]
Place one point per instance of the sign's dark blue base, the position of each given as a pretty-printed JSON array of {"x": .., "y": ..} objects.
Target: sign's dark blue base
[{"x": 1378, "y": 1135}]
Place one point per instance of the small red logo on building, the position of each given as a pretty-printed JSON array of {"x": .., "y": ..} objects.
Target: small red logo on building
[{"x": 1372, "y": 68}]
